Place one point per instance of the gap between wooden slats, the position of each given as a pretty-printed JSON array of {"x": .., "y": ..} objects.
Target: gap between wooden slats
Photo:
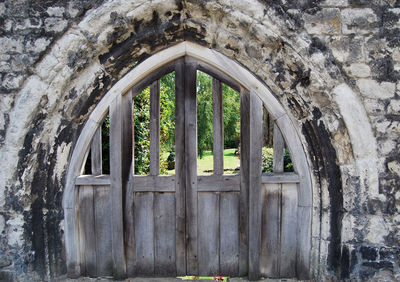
[
  {"x": 155, "y": 128},
  {"x": 218, "y": 127}
]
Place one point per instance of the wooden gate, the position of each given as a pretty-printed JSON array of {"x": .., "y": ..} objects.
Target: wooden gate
[{"x": 158, "y": 225}]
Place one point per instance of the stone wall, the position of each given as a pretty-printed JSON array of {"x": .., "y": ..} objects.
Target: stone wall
[{"x": 334, "y": 66}]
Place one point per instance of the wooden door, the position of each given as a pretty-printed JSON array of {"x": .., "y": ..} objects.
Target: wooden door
[{"x": 188, "y": 223}]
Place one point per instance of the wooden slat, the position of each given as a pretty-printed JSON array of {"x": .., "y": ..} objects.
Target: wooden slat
[
  {"x": 164, "y": 229},
  {"x": 191, "y": 165},
  {"x": 218, "y": 183},
  {"x": 151, "y": 183},
  {"x": 229, "y": 234},
  {"x": 303, "y": 242},
  {"x": 244, "y": 181},
  {"x": 288, "y": 233},
  {"x": 155, "y": 128},
  {"x": 218, "y": 127},
  {"x": 255, "y": 185},
  {"x": 129, "y": 219},
  {"x": 270, "y": 242},
  {"x": 95, "y": 151},
  {"x": 286, "y": 177},
  {"x": 144, "y": 234},
  {"x": 279, "y": 145},
  {"x": 102, "y": 232},
  {"x": 87, "y": 227},
  {"x": 120, "y": 160},
  {"x": 180, "y": 173},
  {"x": 99, "y": 180},
  {"x": 208, "y": 240}
]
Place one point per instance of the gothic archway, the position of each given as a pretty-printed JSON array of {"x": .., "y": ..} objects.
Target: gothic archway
[{"x": 252, "y": 186}]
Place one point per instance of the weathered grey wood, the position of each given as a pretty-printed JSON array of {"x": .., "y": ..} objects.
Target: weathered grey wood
[
  {"x": 155, "y": 128},
  {"x": 150, "y": 183},
  {"x": 87, "y": 227},
  {"x": 286, "y": 177},
  {"x": 99, "y": 180},
  {"x": 180, "y": 172},
  {"x": 270, "y": 232},
  {"x": 144, "y": 234},
  {"x": 102, "y": 221},
  {"x": 204, "y": 67},
  {"x": 218, "y": 127},
  {"x": 255, "y": 186},
  {"x": 304, "y": 215},
  {"x": 279, "y": 146},
  {"x": 191, "y": 165},
  {"x": 164, "y": 229},
  {"x": 155, "y": 75},
  {"x": 120, "y": 159},
  {"x": 129, "y": 220},
  {"x": 244, "y": 182},
  {"x": 229, "y": 234},
  {"x": 95, "y": 151},
  {"x": 218, "y": 183},
  {"x": 208, "y": 240},
  {"x": 288, "y": 233}
]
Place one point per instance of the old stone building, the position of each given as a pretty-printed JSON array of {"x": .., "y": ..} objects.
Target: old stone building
[{"x": 328, "y": 71}]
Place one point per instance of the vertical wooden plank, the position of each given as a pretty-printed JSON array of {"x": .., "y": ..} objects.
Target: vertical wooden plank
[
  {"x": 155, "y": 128},
  {"x": 279, "y": 145},
  {"x": 144, "y": 234},
  {"x": 180, "y": 172},
  {"x": 288, "y": 230},
  {"x": 229, "y": 234},
  {"x": 191, "y": 165},
  {"x": 218, "y": 127},
  {"x": 86, "y": 213},
  {"x": 102, "y": 232},
  {"x": 164, "y": 228},
  {"x": 120, "y": 161},
  {"x": 130, "y": 242},
  {"x": 208, "y": 240},
  {"x": 244, "y": 182},
  {"x": 303, "y": 242},
  {"x": 270, "y": 233},
  {"x": 129, "y": 219},
  {"x": 95, "y": 150},
  {"x": 256, "y": 141}
]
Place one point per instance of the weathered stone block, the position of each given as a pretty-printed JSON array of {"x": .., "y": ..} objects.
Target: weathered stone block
[
  {"x": 55, "y": 11},
  {"x": 12, "y": 81},
  {"x": 347, "y": 49},
  {"x": 335, "y": 3},
  {"x": 359, "y": 70},
  {"x": 372, "y": 89},
  {"x": 358, "y": 21},
  {"x": 14, "y": 44},
  {"x": 326, "y": 21},
  {"x": 55, "y": 24}
]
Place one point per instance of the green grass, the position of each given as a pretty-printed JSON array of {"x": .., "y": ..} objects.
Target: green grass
[{"x": 205, "y": 164}]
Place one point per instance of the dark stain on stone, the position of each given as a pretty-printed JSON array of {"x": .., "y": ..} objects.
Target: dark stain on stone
[
  {"x": 345, "y": 263},
  {"x": 229, "y": 47},
  {"x": 302, "y": 77},
  {"x": 317, "y": 45},
  {"x": 101, "y": 85},
  {"x": 368, "y": 253},
  {"x": 296, "y": 108},
  {"x": 323, "y": 156},
  {"x": 383, "y": 70}
]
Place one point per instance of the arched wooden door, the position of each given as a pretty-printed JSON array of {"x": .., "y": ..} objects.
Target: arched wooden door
[{"x": 187, "y": 224}]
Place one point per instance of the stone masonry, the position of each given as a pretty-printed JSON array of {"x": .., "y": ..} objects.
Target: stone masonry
[{"x": 333, "y": 64}]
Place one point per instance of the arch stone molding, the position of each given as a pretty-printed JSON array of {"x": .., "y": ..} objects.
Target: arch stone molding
[{"x": 216, "y": 60}]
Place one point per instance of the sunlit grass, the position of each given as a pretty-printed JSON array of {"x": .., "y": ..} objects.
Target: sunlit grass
[{"x": 205, "y": 165}]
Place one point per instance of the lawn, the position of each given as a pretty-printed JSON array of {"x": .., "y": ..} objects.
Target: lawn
[{"x": 205, "y": 164}]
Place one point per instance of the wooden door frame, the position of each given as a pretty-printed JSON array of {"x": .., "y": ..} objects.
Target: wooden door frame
[{"x": 227, "y": 70}]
